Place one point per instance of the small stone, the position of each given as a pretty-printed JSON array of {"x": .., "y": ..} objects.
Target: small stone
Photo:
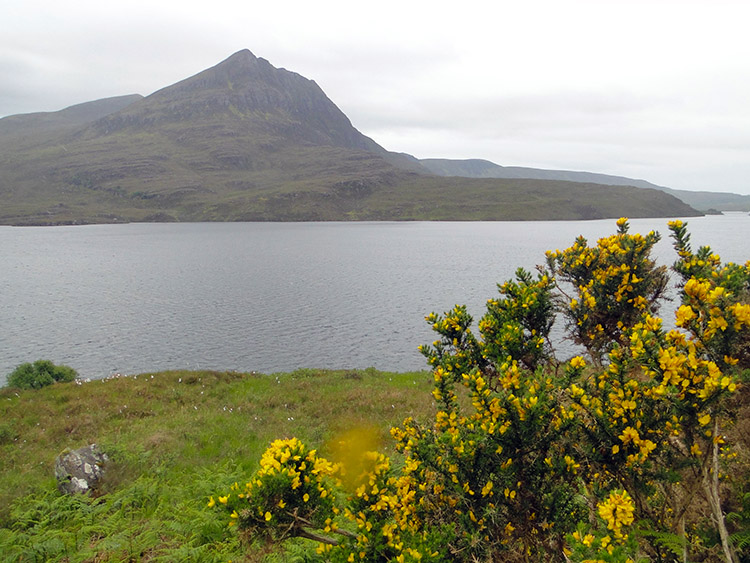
[{"x": 79, "y": 471}]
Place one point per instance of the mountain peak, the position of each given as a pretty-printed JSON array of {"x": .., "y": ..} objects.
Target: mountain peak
[
  {"x": 241, "y": 56},
  {"x": 241, "y": 70},
  {"x": 242, "y": 61},
  {"x": 242, "y": 53},
  {"x": 251, "y": 94}
]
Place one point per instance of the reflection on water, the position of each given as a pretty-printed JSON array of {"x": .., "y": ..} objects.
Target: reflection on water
[{"x": 270, "y": 296}]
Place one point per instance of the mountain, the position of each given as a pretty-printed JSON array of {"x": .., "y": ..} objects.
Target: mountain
[
  {"x": 478, "y": 168},
  {"x": 244, "y": 140},
  {"x": 259, "y": 97}
]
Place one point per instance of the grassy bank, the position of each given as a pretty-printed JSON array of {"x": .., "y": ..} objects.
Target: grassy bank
[{"x": 174, "y": 439}]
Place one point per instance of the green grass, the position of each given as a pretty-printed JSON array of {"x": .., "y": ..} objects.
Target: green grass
[{"x": 174, "y": 439}]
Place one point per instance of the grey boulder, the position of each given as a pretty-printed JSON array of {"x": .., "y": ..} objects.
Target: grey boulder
[{"x": 79, "y": 471}]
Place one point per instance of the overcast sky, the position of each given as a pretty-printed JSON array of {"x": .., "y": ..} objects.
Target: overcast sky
[{"x": 651, "y": 89}]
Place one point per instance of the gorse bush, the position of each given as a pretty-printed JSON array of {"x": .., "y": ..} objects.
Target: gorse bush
[
  {"x": 618, "y": 454},
  {"x": 39, "y": 374},
  {"x": 605, "y": 289}
]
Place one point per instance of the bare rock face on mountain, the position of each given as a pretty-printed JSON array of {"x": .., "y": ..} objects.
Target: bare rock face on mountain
[
  {"x": 80, "y": 471},
  {"x": 255, "y": 92}
]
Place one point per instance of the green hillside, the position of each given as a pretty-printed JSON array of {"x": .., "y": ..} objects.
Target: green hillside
[{"x": 478, "y": 168}]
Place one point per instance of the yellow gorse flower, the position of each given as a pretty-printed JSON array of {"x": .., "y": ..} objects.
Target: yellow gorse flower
[
  {"x": 577, "y": 362},
  {"x": 617, "y": 511}
]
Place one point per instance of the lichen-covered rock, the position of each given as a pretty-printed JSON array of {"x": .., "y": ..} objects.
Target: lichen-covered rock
[{"x": 79, "y": 471}]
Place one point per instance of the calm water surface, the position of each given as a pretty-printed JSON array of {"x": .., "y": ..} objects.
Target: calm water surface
[{"x": 270, "y": 296}]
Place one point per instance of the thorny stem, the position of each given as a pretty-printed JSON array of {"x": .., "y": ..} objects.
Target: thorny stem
[
  {"x": 711, "y": 486},
  {"x": 302, "y": 532}
]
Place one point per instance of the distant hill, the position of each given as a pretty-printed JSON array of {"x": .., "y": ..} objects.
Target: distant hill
[
  {"x": 244, "y": 140},
  {"x": 478, "y": 168},
  {"x": 708, "y": 201}
]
